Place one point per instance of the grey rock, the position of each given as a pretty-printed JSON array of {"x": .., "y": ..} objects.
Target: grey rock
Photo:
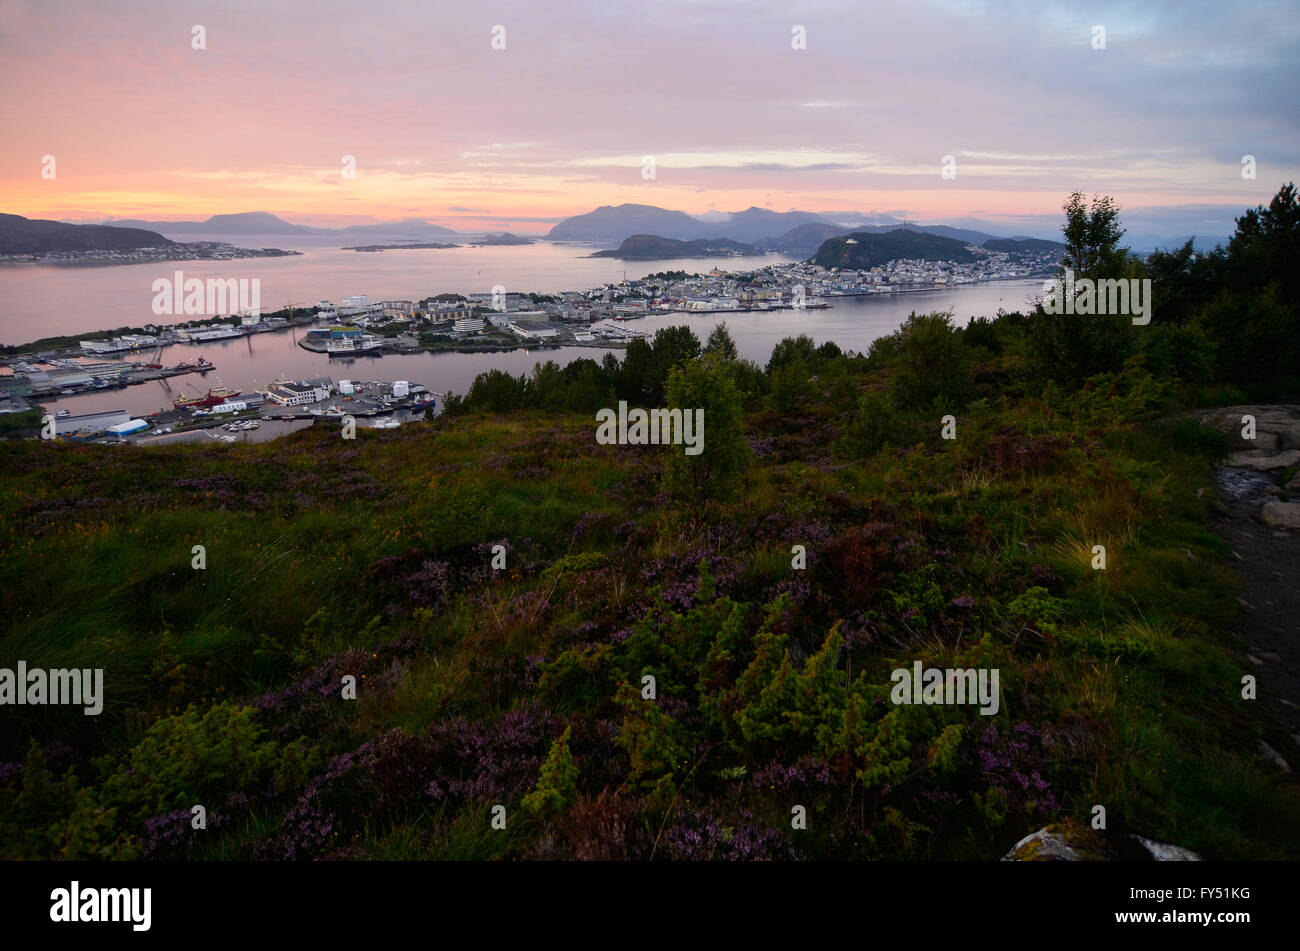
[
  {"x": 1049, "y": 844},
  {"x": 1041, "y": 846},
  {"x": 1163, "y": 852},
  {"x": 1263, "y": 461},
  {"x": 1274, "y": 757},
  {"x": 1280, "y": 514},
  {"x": 1277, "y": 427}
]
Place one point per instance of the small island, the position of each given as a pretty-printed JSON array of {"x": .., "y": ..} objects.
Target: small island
[
  {"x": 504, "y": 238},
  {"x": 651, "y": 247},
  {"x": 401, "y": 247}
]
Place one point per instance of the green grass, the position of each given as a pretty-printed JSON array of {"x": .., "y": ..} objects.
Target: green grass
[{"x": 316, "y": 551}]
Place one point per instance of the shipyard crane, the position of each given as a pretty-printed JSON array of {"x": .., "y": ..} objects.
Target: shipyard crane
[{"x": 289, "y": 306}]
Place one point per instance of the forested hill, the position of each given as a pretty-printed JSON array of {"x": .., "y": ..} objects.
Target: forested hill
[{"x": 862, "y": 250}]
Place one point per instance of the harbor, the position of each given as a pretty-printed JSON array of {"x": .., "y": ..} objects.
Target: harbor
[
  {"x": 69, "y": 376},
  {"x": 226, "y": 415},
  {"x": 147, "y": 384}
]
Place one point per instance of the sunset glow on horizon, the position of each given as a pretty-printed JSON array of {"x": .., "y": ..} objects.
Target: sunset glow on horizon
[{"x": 445, "y": 128}]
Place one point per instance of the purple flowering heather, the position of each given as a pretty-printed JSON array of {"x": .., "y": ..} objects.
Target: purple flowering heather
[{"x": 1012, "y": 764}]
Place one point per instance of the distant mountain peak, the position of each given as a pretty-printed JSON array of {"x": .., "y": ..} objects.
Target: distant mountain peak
[
  {"x": 266, "y": 223},
  {"x": 772, "y": 230}
]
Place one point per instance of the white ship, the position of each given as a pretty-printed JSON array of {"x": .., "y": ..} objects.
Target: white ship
[
  {"x": 119, "y": 344},
  {"x": 219, "y": 333},
  {"x": 364, "y": 345}
]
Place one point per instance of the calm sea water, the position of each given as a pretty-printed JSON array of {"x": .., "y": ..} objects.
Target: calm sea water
[{"x": 41, "y": 301}]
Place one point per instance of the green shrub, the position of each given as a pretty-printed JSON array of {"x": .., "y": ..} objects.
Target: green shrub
[{"x": 557, "y": 785}]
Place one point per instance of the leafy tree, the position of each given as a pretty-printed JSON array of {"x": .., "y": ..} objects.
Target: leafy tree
[
  {"x": 673, "y": 346},
  {"x": 714, "y": 474},
  {"x": 497, "y": 391},
  {"x": 1183, "y": 280},
  {"x": 1253, "y": 334},
  {"x": 1178, "y": 353},
  {"x": 549, "y": 386},
  {"x": 720, "y": 343},
  {"x": 829, "y": 351},
  {"x": 792, "y": 387},
  {"x": 1266, "y": 246},
  {"x": 982, "y": 332},
  {"x": 934, "y": 366},
  {"x": 1069, "y": 348},
  {"x": 637, "y": 380},
  {"x": 791, "y": 349},
  {"x": 751, "y": 382},
  {"x": 1091, "y": 236},
  {"x": 588, "y": 386}
]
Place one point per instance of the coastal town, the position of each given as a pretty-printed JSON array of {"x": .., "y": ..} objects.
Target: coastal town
[
  {"x": 176, "y": 251},
  {"x": 496, "y": 320}
]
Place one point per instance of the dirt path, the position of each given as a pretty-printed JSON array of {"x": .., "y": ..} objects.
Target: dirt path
[{"x": 1267, "y": 560}]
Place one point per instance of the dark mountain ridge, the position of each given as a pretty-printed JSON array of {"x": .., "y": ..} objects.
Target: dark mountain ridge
[
  {"x": 261, "y": 222},
  {"x": 19, "y": 235}
]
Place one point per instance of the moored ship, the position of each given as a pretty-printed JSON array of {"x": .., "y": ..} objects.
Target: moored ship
[
  {"x": 364, "y": 345},
  {"x": 215, "y": 396}
]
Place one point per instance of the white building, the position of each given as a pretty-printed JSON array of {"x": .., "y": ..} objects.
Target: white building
[
  {"x": 127, "y": 428},
  {"x": 90, "y": 422},
  {"x": 349, "y": 306},
  {"x": 468, "y": 325},
  {"x": 297, "y": 394}
]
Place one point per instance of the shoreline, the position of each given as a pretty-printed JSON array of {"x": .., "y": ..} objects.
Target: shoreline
[{"x": 22, "y": 350}]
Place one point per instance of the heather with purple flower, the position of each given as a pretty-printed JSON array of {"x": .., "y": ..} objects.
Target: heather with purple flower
[{"x": 659, "y": 680}]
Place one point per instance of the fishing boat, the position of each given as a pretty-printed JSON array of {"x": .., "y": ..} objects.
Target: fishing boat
[{"x": 215, "y": 396}]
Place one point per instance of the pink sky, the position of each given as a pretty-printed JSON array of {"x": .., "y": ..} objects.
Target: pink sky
[{"x": 444, "y": 127}]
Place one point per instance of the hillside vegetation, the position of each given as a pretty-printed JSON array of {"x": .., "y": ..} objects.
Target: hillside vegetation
[{"x": 524, "y": 686}]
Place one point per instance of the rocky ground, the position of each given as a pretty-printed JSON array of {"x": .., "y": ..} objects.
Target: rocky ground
[{"x": 1259, "y": 517}]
